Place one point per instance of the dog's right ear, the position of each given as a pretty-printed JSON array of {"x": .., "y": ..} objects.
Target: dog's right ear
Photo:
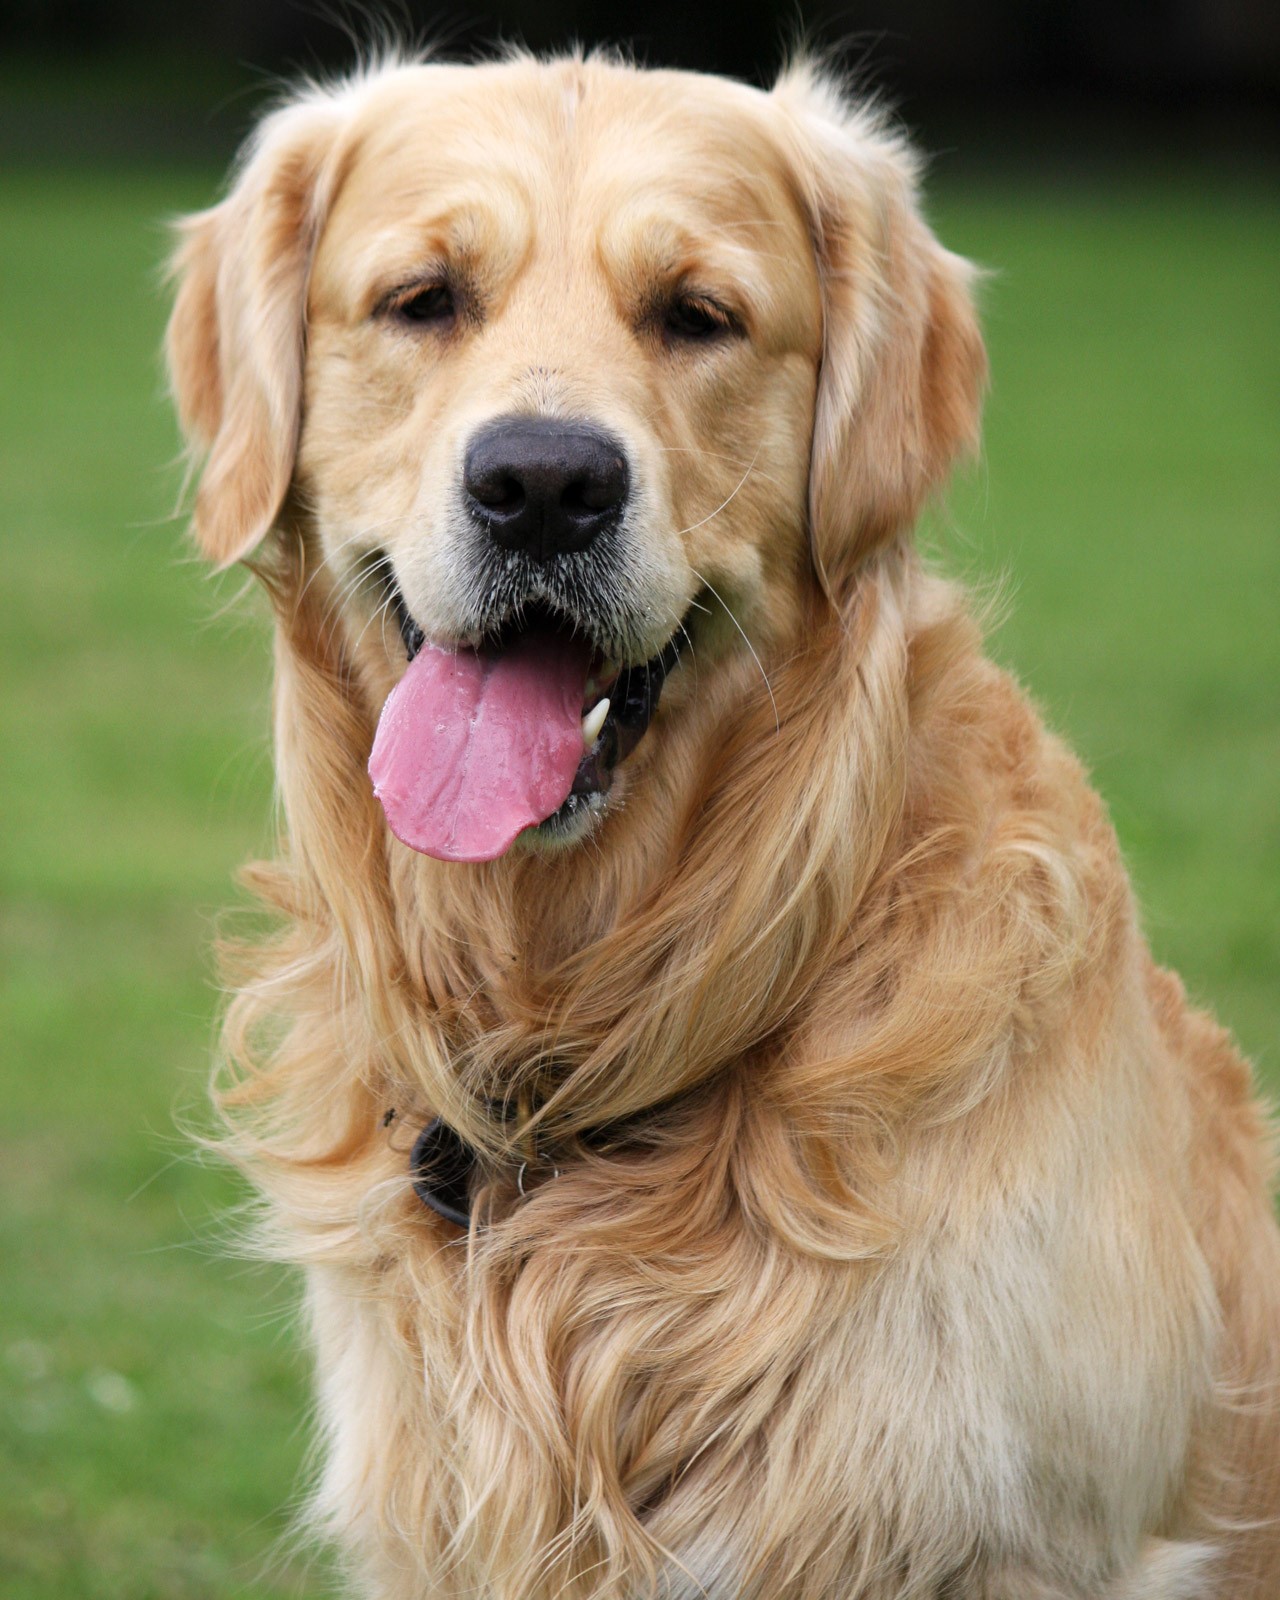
[{"x": 236, "y": 338}]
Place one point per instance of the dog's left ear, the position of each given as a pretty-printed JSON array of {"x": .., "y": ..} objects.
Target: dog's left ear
[
  {"x": 236, "y": 337},
  {"x": 903, "y": 364}
]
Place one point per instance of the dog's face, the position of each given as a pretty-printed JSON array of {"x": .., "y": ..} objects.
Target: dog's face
[
  {"x": 598, "y": 300},
  {"x": 597, "y": 363}
]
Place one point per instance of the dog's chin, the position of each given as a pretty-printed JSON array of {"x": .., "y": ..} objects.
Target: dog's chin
[{"x": 575, "y": 822}]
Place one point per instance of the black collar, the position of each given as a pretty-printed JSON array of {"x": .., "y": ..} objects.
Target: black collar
[{"x": 441, "y": 1164}]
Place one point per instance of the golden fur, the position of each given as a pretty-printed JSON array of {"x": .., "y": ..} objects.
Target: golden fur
[{"x": 938, "y": 1261}]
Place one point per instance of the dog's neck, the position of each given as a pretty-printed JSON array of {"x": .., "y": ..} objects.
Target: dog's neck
[{"x": 616, "y": 977}]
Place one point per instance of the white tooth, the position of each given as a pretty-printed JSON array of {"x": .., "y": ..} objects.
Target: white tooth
[{"x": 593, "y": 722}]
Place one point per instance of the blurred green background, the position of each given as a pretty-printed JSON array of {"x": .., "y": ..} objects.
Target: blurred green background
[{"x": 153, "y": 1403}]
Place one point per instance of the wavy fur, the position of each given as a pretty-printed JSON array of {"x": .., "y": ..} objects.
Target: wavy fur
[{"x": 937, "y": 1259}]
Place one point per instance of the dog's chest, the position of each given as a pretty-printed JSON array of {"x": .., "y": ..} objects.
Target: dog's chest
[{"x": 739, "y": 1400}]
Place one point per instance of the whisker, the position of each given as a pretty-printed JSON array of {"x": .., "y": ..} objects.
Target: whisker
[
  {"x": 688, "y": 639},
  {"x": 716, "y": 455},
  {"x": 351, "y": 582},
  {"x": 680, "y": 532},
  {"x": 777, "y": 721},
  {"x": 363, "y": 572},
  {"x": 380, "y": 617}
]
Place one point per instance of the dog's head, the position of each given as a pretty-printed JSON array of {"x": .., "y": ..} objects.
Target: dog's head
[{"x": 570, "y": 378}]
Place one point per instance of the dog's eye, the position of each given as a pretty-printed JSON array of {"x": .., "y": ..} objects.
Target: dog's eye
[
  {"x": 429, "y": 303},
  {"x": 697, "y": 318}
]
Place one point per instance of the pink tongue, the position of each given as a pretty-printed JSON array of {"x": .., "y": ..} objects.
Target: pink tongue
[{"x": 471, "y": 748}]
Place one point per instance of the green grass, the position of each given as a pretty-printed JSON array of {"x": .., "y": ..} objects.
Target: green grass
[
  {"x": 1130, "y": 492},
  {"x": 151, "y": 1396},
  {"x": 152, "y": 1404}
]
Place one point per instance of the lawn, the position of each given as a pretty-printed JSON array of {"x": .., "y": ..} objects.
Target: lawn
[{"x": 152, "y": 1404}]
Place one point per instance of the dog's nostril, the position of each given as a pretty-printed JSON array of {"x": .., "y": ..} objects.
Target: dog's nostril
[
  {"x": 498, "y": 493},
  {"x": 544, "y": 487},
  {"x": 601, "y": 491}
]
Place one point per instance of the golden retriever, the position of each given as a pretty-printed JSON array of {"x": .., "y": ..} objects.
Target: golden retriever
[{"x": 738, "y": 1143}]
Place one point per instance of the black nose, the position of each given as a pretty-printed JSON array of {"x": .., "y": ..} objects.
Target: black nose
[{"x": 544, "y": 486}]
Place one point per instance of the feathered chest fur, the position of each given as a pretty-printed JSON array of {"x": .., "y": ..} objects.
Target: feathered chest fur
[
  {"x": 628, "y": 1379},
  {"x": 873, "y": 1291}
]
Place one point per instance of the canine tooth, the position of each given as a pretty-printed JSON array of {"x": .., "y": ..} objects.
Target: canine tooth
[{"x": 593, "y": 722}]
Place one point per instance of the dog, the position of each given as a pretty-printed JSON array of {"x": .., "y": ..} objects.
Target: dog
[{"x": 706, "y": 1063}]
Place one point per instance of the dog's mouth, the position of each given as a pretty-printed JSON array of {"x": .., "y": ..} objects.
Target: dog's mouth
[{"x": 526, "y": 730}]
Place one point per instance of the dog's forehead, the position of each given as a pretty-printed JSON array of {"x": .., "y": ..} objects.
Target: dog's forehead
[{"x": 535, "y": 145}]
